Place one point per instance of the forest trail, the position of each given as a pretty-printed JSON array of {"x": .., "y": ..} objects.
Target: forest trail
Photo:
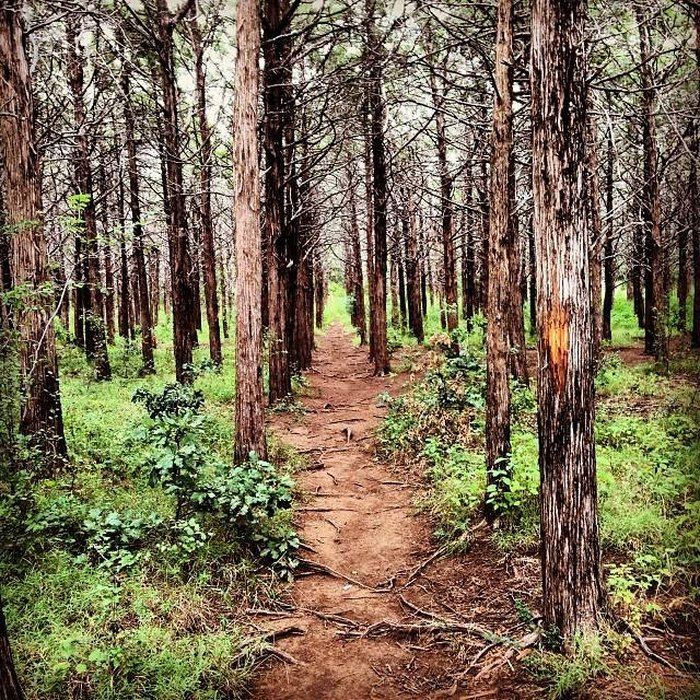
[{"x": 360, "y": 521}]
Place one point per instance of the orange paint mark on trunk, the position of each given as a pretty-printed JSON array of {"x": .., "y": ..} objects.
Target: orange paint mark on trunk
[{"x": 558, "y": 342}]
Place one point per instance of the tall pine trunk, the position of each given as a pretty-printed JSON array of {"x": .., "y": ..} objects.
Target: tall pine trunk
[
  {"x": 572, "y": 596},
  {"x": 498, "y": 305},
  {"x": 143, "y": 300},
  {"x": 206, "y": 154},
  {"x": 655, "y": 292},
  {"x": 250, "y": 412},
  {"x": 379, "y": 189},
  {"x": 95, "y": 337},
  {"x": 41, "y": 418}
]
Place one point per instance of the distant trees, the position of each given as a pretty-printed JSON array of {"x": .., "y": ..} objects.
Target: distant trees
[{"x": 571, "y": 572}]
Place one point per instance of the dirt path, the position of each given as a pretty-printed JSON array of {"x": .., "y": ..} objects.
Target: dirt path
[
  {"x": 365, "y": 539},
  {"x": 360, "y": 521}
]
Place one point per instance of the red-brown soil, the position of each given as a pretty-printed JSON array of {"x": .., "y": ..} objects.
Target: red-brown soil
[{"x": 361, "y": 523}]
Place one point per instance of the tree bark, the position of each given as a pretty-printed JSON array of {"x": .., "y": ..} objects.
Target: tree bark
[
  {"x": 358, "y": 291},
  {"x": 446, "y": 206},
  {"x": 498, "y": 305},
  {"x": 206, "y": 155},
  {"x": 250, "y": 412},
  {"x": 413, "y": 267},
  {"x": 95, "y": 338},
  {"x": 595, "y": 233},
  {"x": 572, "y": 593},
  {"x": 183, "y": 301},
  {"x": 276, "y": 50},
  {"x": 608, "y": 252},
  {"x": 143, "y": 300},
  {"x": 10, "y": 688},
  {"x": 656, "y": 301},
  {"x": 695, "y": 196},
  {"x": 379, "y": 189},
  {"x": 41, "y": 417}
]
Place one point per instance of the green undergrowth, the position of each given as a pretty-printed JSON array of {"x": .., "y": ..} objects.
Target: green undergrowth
[
  {"x": 126, "y": 573},
  {"x": 648, "y": 456}
]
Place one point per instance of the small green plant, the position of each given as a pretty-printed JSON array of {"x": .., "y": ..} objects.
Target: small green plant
[{"x": 567, "y": 675}]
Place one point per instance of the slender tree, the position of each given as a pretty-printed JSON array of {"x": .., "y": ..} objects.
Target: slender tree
[
  {"x": 250, "y": 414},
  {"x": 206, "y": 155},
  {"x": 143, "y": 300},
  {"x": 498, "y": 296},
  {"x": 93, "y": 302},
  {"x": 571, "y": 572}
]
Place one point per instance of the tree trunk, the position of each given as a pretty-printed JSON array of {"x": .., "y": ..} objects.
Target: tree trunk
[
  {"x": 695, "y": 197},
  {"x": 369, "y": 220},
  {"x": 183, "y": 301},
  {"x": 276, "y": 50},
  {"x": 107, "y": 255},
  {"x": 446, "y": 206},
  {"x": 250, "y": 412},
  {"x": 319, "y": 288},
  {"x": 95, "y": 338},
  {"x": 358, "y": 291},
  {"x": 379, "y": 190},
  {"x": 572, "y": 593},
  {"x": 143, "y": 299},
  {"x": 206, "y": 154},
  {"x": 124, "y": 318},
  {"x": 413, "y": 267},
  {"x": 608, "y": 252},
  {"x": 655, "y": 302},
  {"x": 498, "y": 305},
  {"x": 41, "y": 418}
]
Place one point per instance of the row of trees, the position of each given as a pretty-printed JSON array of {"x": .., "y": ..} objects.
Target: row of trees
[{"x": 391, "y": 137}]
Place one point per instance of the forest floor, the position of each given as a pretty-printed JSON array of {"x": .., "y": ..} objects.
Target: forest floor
[{"x": 373, "y": 612}]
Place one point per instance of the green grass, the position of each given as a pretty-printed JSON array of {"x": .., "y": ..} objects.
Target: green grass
[
  {"x": 648, "y": 456},
  {"x": 167, "y": 625}
]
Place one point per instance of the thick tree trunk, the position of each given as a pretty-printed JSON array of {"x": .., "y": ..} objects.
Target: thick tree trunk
[
  {"x": 124, "y": 321},
  {"x": 572, "y": 596},
  {"x": 143, "y": 300},
  {"x": 183, "y": 301},
  {"x": 41, "y": 418},
  {"x": 379, "y": 190},
  {"x": 498, "y": 305},
  {"x": 205, "y": 175},
  {"x": 656, "y": 297},
  {"x": 250, "y": 412},
  {"x": 95, "y": 338},
  {"x": 276, "y": 50}
]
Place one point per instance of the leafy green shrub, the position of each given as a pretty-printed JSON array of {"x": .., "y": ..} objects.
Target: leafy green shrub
[{"x": 175, "y": 399}]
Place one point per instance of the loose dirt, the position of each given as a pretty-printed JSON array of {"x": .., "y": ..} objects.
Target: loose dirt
[
  {"x": 369, "y": 622},
  {"x": 359, "y": 521}
]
